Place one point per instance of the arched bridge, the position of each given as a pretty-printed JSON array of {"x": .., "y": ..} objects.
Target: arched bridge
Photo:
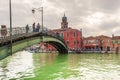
[{"x": 25, "y": 40}]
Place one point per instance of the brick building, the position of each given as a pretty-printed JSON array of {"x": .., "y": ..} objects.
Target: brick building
[
  {"x": 91, "y": 43},
  {"x": 98, "y": 43},
  {"x": 116, "y": 44},
  {"x": 72, "y": 37}
]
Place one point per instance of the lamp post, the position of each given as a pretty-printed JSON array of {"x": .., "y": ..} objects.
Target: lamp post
[
  {"x": 41, "y": 10},
  {"x": 10, "y": 9}
]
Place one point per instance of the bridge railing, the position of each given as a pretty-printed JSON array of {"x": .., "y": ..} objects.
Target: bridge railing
[
  {"x": 16, "y": 32},
  {"x": 21, "y": 31}
]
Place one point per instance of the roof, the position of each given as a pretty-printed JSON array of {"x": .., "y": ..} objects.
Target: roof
[
  {"x": 103, "y": 36},
  {"x": 116, "y": 37},
  {"x": 90, "y": 37},
  {"x": 97, "y": 37},
  {"x": 64, "y": 29}
]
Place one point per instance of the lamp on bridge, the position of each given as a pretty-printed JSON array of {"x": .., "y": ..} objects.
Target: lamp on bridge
[
  {"x": 10, "y": 11},
  {"x": 41, "y": 10}
]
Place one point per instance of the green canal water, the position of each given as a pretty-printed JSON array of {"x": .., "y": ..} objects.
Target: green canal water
[{"x": 50, "y": 66}]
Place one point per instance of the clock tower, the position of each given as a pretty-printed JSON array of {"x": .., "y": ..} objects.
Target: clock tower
[{"x": 64, "y": 23}]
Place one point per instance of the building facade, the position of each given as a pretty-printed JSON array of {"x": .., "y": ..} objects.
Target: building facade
[
  {"x": 72, "y": 37},
  {"x": 98, "y": 43},
  {"x": 91, "y": 44},
  {"x": 116, "y": 44}
]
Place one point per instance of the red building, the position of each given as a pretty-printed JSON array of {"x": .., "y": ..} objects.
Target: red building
[
  {"x": 116, "y": 44},
  {"x": 98, "y": 43},
  {"x": 72, "y": 37},
  {"x": 91, "y": 43}
]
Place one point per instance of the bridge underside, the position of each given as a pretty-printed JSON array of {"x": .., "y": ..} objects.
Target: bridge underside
[{"x": 60, "y": 48}]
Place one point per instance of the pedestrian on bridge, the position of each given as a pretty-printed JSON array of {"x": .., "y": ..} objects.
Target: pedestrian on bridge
[
  {"x": 38, "y": 27},
  {"x": 27, "y": 28},
  {"x": 46, "y": 31},
  {"x": 34, "y": 27}
]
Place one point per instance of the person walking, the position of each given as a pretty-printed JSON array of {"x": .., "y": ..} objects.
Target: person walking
[
  {"x": 46, "y": 31},
  {"x": 38, "y": 27},
  {"x": 34, "y": 27},
  {"x": 27, "y": 28}
]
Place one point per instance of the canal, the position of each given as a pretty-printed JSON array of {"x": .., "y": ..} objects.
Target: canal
[{"x": 24, "y": 65}]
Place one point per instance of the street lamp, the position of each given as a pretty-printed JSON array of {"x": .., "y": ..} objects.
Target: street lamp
[
  {"x": 41, "y": 10},
  {"x": 10, "y": 9}
]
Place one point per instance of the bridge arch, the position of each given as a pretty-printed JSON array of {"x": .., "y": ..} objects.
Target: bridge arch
[
  {"x": 58, "y": 44},
  {"x": 29, "y": 40}
]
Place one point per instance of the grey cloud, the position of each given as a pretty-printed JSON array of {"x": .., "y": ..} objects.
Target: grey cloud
[
  {"x": 109, "y": 24},
  {"x": 74, "y": 7},
  {"x": 77, "y": 12},
  {"x": 107, "y": 6}
]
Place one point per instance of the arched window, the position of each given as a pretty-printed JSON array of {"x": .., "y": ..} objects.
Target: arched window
[
  {"x": 67, "y": 42},
  {"x": 74, "y": 34},
  {"x": 75, "y": 42},
  {"x": 67, "y": 34}
]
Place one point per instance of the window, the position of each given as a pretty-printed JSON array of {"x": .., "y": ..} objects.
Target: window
[
  {"x": 75, "y": 42},
  {"x": 90, "y": 41},
  {"x": 74, "y": 34},
  {"x": 113, "y": 41},
  {"x": 108, "y": 41},
  {"x": 97, "y": 41},
  {"x": 67, "y": 34},
  {"x": 67, "y": 42}
]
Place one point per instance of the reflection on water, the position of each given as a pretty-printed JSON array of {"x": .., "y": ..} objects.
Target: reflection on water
[
  {"x": 16, "y": 66},
  {"x": 96, "y": 67},
  {"x": 48, "y": 66}
]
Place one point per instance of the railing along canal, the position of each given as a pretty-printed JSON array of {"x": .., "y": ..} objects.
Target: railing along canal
[
  {"x": 21, "y": 31},
  {"x": 16, "y": 33}
]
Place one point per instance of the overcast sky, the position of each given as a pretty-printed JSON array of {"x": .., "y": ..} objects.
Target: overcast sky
[{"x": 95, "y": 17}]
